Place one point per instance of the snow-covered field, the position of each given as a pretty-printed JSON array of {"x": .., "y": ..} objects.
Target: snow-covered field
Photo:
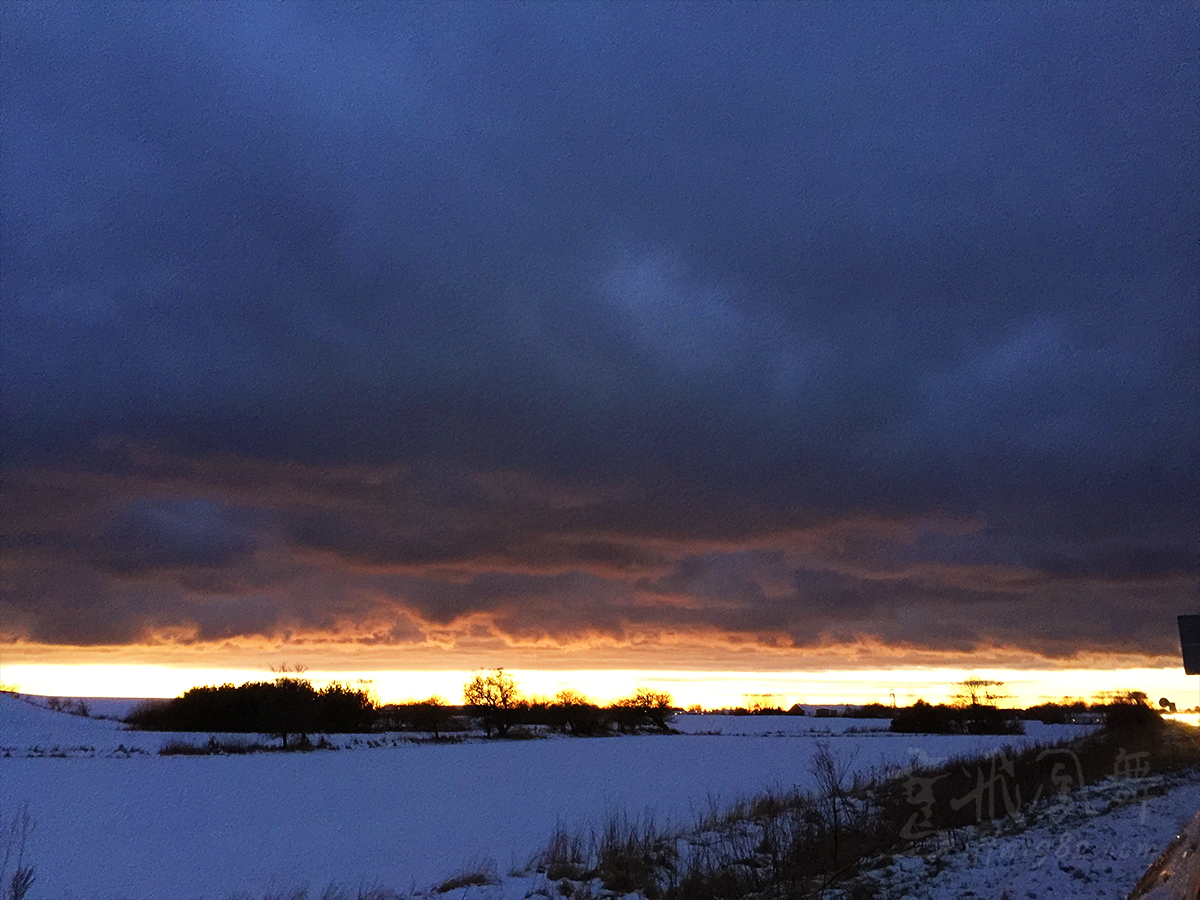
[
  {"x": 1097, "y": 849},
  {"x": 115, "y": 820}
]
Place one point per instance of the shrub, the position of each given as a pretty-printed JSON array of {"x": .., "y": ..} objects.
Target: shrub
[
  {"x": 476, "y": 874},
  {"x": 215, "y": 747},
  {"x": 631, "y": 853},
  {"x": 647, "y": 707},
  {"x": 572, "y": 713},
  {"x": 182, "y": 748},
  {"x": 564, "y": 857},
  {"x": 923, "y": 718},
  {"x": 1047, "y": 714},
  {"x": 870, "y": 711},
  {"x": 1133, "y": 719},
  {"x": 283, "y": 708}
]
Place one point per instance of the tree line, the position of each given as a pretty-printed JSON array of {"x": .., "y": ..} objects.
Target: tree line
[
  {"x": 494, "y": 697},
  {"x": 494, "y": 701},
  {"x": 291, "y": 709},
  {"x": 286, "y": 707},
  {"x": 975, "y": 708}
]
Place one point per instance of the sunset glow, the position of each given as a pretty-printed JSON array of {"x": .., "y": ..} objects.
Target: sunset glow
[{"x": 711, "y": 690}]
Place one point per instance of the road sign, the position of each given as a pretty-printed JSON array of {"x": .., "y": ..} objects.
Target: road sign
[{"x": 1189, "y": 643}]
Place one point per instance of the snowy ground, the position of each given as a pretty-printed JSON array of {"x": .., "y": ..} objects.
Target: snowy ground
[
  {"x": 115, "y": 820},
  {"x": 1089, "y": 847}
]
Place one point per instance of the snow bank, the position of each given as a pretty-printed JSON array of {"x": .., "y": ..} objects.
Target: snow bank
[
  {"x": 1097, "y": 849},
  {"x": 24, "y": 725}
]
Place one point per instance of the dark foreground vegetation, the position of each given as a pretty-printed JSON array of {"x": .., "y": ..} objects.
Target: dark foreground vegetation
[{"x": 799, "y": 844}]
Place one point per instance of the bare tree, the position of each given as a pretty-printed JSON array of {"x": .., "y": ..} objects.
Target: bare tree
[
  {"x": 835, "y": 783},
  {"x": 976, "y": 691},
  {"x": 494, "y": 694}
]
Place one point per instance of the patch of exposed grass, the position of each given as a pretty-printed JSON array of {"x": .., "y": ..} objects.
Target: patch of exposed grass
[
  {"x": 633, "y": 855},
  {"x": 332, "y": 892},
  {"x": 234, "y": 746},
  {"x": 565, "y": 857},
  {"x": 477, "y": 874}
]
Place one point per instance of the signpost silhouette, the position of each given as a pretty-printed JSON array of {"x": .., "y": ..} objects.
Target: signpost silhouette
[{"x": 1189, "y": 643}]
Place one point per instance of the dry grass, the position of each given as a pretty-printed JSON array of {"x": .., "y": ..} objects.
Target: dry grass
[
  {"x": 476, "y": 874},
  {"x": 799, "y": 844}
]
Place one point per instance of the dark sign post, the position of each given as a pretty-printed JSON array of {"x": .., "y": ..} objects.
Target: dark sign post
[{"x": 1189, "y": 643}]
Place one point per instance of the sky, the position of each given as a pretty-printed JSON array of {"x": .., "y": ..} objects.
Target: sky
[{"x": 588, "y": 336}]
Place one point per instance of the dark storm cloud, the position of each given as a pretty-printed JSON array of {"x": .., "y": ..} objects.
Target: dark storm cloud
[
  {"x": 172, "y": 533},
  {"x": 596, "y": 319}
]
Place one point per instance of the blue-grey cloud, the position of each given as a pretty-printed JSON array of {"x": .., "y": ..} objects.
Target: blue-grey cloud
[{"x": 740, "y": 270}]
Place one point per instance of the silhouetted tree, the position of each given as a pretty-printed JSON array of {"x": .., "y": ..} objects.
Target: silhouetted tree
[
  {"x": 646, "y": 706},
  {"x": 284, "y": 708},
  {"x": 976, "y": 691},
  {"x": 924, "y": 718},
  {"x": 342, "y": 709},
  {"x": 494, "y": 696},
  {"x": 289, "y": 706},
  {"x": 977, "y": 711},
  {"x": 573, "y": 713},
  {"x": 429, "y": 715}
]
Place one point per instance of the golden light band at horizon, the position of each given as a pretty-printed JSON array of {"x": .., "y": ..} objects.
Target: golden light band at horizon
[{"x": 709, "y": 689}]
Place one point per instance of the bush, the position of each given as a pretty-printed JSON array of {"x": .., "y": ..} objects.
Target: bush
[
  {"x": 924, "y": 718},
  {"x": 572, "y": 713},
  {"x": 565, "y": 856},
  {"x": 283, "y": 708},
  {"x": 1133, "y": 719},
  {"x": 1047, "y": 714},
  {"x": 646, "y": 708},
  {"x": 870, "y": 711},
  {"x": 631, "y": 855},
  {"x": 216, "y": 747}
]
